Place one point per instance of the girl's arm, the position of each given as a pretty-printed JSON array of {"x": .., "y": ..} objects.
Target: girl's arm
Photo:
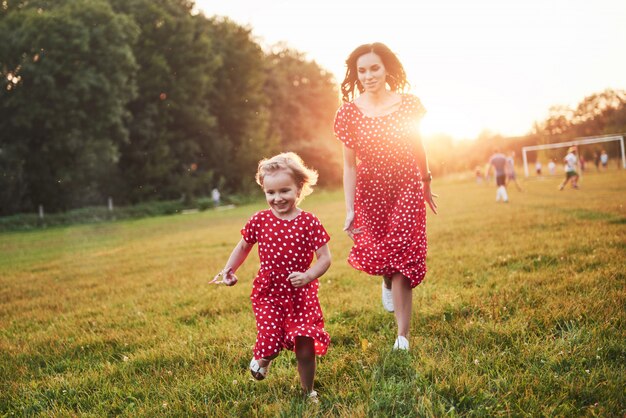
[
  {"x": 238, "y": 256},
  {"x": 422, "y": 164},
  {"x": 299, "y": 279},
  {"x": 349, "y": 186}
]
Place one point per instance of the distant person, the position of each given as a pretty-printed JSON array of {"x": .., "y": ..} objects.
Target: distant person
[
  {"x": 216, "y": 196},
  {"x": 479, "y": 175},
  {"x": 538, "y": 167},
  {"x": 510, "y": 171},
  {"x": 604, "y": 159},
  {"x": 552, "y": 167},
  {"x": 387, "y": 192},
  {"x": 498, "y": 162},
  {"x": 571, "y": 164},
  {"x": 596, "y": 160},
  {"x": 284, "y": 294},
  {"x": 582, "y": 163}
]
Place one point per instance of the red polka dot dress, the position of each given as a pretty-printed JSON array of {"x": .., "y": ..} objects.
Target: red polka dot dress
[
  {"x": 389, "y": 201},
  {"x": 282, "y": 311}
]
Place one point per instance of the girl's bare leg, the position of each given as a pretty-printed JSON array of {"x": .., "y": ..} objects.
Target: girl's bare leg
[
  {"x": 305, "y": 354},
  {"x": 265, "y": 361},
  {"x": 387, "y": 281}
]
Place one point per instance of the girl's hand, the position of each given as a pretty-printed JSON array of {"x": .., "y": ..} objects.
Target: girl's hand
[
  {"x": 429, "y": 197},
  {"x": 299, "y": 279},
  {"x": 227, "y": 277},
  {"x": 347, "y": 226}
]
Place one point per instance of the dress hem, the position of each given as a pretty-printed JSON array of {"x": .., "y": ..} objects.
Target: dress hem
[{"x": 414, "y": 283}]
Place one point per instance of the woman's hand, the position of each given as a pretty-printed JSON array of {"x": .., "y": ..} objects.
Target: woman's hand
[
  {"x": 429, "y": 197},
  {"x": 227, "y": 277},
  {"x": 299, "y": 279},
  {"x": 347, "y": 226}
]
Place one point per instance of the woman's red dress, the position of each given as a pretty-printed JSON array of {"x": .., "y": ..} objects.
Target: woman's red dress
[{"x": 389, "y": 201}]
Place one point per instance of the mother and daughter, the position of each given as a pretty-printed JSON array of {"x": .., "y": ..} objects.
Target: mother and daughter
[{"x": 386, "y": 185}]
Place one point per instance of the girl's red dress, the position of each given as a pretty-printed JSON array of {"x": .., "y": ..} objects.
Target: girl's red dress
[
  {"x": 282, "y": 311},
  {"x": 389, "y": 202}
]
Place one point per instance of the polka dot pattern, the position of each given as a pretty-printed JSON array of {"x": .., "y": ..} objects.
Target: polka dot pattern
[
  {"x": 282, "y": 311},
  {"x": 389, "y": 201}
]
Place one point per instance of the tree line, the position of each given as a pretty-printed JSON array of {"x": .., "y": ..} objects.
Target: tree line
[
  {"x": 144, "y": 100},
  {"x": 598, "y": 114}
]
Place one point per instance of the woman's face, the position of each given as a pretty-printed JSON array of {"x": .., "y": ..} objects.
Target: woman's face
[{"x": 371, "y": 72}]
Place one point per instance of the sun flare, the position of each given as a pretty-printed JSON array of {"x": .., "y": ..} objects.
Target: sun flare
[{"x": 480, "y": 65}]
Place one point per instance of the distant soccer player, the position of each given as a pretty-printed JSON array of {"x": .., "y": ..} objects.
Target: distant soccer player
[
  {"x": 510, "y": 171},
  {"x": 552, "y": 167},
  {"x": 538, "y": 167},
  {"x": 571, "y": 164},
  {"x": 498, "y": 162},
  {"x": 604, "y": 159}
]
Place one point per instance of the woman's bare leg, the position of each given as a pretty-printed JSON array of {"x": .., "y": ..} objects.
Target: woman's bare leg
[
  {"x": 402, "y": 302},
  {"x": 265, "y": 361}
]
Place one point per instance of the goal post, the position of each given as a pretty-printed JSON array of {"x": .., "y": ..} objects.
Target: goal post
[{"x": 576, "y": 142}]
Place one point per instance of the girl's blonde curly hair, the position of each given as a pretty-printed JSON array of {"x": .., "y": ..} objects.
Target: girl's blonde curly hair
[{"x": 304, "y": 177}]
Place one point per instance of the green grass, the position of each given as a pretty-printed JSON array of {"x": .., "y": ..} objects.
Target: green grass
[{"x": 522, "y": 313}]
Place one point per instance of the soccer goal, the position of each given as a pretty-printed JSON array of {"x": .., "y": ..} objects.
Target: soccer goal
[{"x": 577, "y": 141}]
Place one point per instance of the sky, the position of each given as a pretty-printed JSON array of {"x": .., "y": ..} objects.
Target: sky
[{"x": 476, "y": 65}]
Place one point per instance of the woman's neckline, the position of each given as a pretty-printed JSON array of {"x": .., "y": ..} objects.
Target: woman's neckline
[
  {"x": 300, "y": 211},
  {"x": 396, "y": 110}
]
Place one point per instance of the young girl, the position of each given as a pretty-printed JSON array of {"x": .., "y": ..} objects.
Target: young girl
[{"x": 284, "y": 293}]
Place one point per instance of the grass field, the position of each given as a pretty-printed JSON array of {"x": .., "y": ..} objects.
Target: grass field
[{"x": 522, "y": 313}]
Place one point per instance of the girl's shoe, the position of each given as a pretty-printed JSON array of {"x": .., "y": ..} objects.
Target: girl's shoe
[
  {"x": 387, "y": 298},
  {"x": 312, "y": 397},
  {"x": 258, "y": 372},
  {"x": 401, "y": 343}
]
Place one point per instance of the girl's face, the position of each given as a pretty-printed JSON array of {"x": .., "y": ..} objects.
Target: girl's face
[
  {"x": 281, "y": 193},
  {"x": 371, "y": 72}
]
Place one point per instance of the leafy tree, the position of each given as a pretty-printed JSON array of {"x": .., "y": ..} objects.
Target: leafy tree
[
  {"x": 239, "y": 104},
  {"x": 303, "y": 100},
  {"x": 598, "y": 114},
  {"x": 9, "y": 6},
  {"x": 601, "y": 113},
  {"x": 13, "y": 187},
  {"x": 172, "y": 129},
  {"x": 67, "y": 73}
]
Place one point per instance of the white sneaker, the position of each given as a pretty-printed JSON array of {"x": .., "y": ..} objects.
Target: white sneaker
[
  {"x": 401, "y": 343},
  {"x": 387, "y": 298},
  {"x": 312, "y": 397}
]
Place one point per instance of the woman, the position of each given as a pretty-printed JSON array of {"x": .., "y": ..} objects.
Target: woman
[{"x": 385, "y": 192}]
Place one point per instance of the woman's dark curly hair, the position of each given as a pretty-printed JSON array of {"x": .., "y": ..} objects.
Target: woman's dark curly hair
[{"x": 396, "y": 77}]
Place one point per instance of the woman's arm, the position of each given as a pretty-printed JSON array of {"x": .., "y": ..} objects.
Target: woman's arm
[
  {"x": 349, "y": 186},
  {"x": 422, "y": 164},
  {"x": 321, "y": 265}
]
